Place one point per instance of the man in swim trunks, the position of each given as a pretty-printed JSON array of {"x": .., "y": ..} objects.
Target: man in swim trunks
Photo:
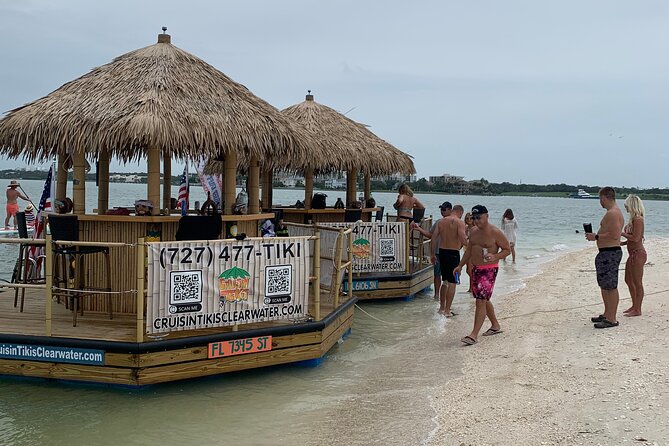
[
  {"x": 12, "y": 202},
  {"x": 448, "y": 237},
  {"x": 609, "y": 256},
  {"x": 445, "y": 209},
  {"x": 487, "y": 245}
]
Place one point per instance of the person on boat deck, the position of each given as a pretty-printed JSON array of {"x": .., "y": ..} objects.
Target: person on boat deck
[
  {"x": 30, "y": 215},
  {"x": 12, "y": 202},
  {"x": 406, "y": 203}
]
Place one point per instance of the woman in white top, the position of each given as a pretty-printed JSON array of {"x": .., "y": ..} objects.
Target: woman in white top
[{"x": 509, "y": 227}]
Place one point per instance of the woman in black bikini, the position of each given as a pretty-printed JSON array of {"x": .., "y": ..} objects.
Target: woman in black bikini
[
  {"x": 633, "y": 232},
  {"x": 406, "y": 203}
]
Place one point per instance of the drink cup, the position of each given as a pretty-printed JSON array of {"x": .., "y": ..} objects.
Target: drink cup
[
  {"x": 587, "y": 227},
  {"x": 485, "y": 254}
]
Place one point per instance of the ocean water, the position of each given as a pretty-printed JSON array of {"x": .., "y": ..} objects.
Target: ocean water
[{"x": 372, "y": 388}]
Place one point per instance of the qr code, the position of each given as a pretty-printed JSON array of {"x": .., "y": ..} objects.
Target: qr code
[
  {"x": 185, "y": 287},
  {"x": 387, "y": 247},
  {"x": 278, "y": 280}
]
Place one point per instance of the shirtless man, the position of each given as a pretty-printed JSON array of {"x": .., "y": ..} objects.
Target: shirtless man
[
  {"x": 445, "y": 208},
  {"x": 487, "y": 245},
  {"x": 448, "y": 237},
  {"x": 12, "y": 202},
  {"x": 609, "y": 256}
]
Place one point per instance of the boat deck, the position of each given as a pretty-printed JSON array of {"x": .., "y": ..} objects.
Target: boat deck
[{"x": 95, "y": 325}]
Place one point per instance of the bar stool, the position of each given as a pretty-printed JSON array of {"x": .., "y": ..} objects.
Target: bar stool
[
  {"x": 66, "y": 228},
  {"x": 25, "y": 270}
]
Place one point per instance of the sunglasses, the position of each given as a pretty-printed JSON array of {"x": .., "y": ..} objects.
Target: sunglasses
[{"x": 476, "y": 217}]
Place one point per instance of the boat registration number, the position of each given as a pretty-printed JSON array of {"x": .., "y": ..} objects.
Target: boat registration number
[
  {"x": 239, "y": 346},
  {"x": 363, "y": 285}
]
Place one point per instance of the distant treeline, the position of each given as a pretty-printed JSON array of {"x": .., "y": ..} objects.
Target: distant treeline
[{"x": 475, "y": 187}]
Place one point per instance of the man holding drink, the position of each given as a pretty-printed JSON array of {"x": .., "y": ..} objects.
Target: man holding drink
[
  {"x": 487, "y": 245},
  {"x": 609, "y": 256}
]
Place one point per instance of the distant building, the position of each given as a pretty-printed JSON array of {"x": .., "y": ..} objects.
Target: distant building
[{"x": 335, "y": 183}]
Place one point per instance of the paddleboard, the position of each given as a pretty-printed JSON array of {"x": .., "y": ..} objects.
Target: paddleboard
[{"x": 4, "y": 231}]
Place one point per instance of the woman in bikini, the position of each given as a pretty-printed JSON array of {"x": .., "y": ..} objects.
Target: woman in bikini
[
  {"x": 406, "y": 203},
  {"x": 637, "y": 257}
]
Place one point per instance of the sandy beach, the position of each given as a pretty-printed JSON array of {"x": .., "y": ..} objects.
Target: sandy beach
[{"x": 551, "y": 378}]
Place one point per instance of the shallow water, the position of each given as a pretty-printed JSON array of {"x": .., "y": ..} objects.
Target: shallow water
[{"x": 374, "y": 387}]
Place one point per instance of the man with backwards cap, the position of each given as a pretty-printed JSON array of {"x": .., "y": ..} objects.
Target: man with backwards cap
[
  {"x": 487, "y": 245},
  {"x": 447, "y": 239},
  {"x": 445, "y": 209}
]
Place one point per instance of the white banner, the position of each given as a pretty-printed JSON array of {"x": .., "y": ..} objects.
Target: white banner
[
  {"x": 377, "y": 246},
  {"x": 211, "y": 184},
  {"x": 203, "y": 284}
]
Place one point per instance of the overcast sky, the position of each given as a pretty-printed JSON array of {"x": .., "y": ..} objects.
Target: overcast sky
[{"x": 572, "y": 91}]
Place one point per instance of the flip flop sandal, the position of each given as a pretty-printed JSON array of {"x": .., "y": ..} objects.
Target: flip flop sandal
[
  {"x": 468, "y": 340},
  {"x": 606, "y": 324},
  {"x": 599, "y": 318},
  {"x": 491, "y": 332}
]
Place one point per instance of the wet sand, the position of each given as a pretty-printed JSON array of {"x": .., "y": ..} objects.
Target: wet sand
[{"x": 551, "y": 378}]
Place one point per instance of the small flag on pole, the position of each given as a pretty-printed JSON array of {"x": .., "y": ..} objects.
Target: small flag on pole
[
  {"x": 184, "y": 191},
  {"x": 45, "y": 205}
]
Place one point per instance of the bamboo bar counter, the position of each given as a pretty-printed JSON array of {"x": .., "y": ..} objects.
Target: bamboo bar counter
[
  {"x": 127, "y": 229},
  {"x": 327, "y": 215}
]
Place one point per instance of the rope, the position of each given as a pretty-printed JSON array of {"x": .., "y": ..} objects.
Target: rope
[
  {"x": 91, "y": 291},
  {"x": 376, "y": 318},
  {"x": 558, "y": 310}
]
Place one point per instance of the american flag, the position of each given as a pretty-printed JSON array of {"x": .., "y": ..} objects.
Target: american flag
[
  {"x": 184, "y": 191},
  {"x": 45, "y": 205}
]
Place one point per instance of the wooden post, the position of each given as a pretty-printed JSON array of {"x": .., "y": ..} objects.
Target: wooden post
[
  {"x": 141, "y": 280},
  {"x": 308, "y": 187},
  {"x": 351, "y": 187},
  {"x": 79, "y": 182},
  {"x": 167, "y": 180},
  {"x": 230, "y": 185},
  {"x": 317, "y": 275},
  {"x": 48, "y": 279},
  {"x": 407, "y": 247},
  {"x": 153, "y": 180},
  {"x": 61, "y": 178},
  {"x": 350, "y": 265},
  {"x": 368, "y": 188},
  {"x": 103, "y": 182},
  {"x": 267, "y": 179},
  {"x": 254, "y": 186},
  {"x": 337, "y": 262}
]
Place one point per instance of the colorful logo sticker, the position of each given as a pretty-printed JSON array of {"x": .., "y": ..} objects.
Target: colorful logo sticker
[
  {"x": 361, "y": 248},
  {"x": 234, "y": 285}
]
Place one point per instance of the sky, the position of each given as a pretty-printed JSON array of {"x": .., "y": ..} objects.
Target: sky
[{"x": 575, "y": 91}]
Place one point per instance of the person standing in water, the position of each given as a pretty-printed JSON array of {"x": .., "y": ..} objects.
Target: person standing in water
[
  {"x": 487, "y": 246},
  {"x": 637, "y": 256},
  {"x": 447, "y": 239},
  {"x": 509, "y": 227},
  {"x": 609, "y": 257},
  {"x": 445, "y": 209},
  {"x": 13, "y": 194},
  {"x": 406, "y": 203}
]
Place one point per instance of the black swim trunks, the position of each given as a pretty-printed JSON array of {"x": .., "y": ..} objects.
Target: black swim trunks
[
  {"x": 448, "y": 261},
  {"x": 606, "y": 264}
]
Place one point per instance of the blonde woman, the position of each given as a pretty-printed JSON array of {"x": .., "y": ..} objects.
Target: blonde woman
[
  {"x": 633, "y": 232},
  {"x": 406, "y": 203}
]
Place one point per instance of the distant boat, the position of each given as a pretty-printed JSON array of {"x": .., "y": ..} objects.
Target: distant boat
[{"x": 582, "y": 194}]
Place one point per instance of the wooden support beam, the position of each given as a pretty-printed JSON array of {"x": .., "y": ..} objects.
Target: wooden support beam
[
  {"x": 79, "y": 182},
  {"x": 153, "y": 180}
]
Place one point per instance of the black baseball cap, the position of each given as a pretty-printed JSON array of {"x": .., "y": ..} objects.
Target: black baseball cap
[
  {"x": 479, "y": 209},
  {"x": 446, "y": 205}
]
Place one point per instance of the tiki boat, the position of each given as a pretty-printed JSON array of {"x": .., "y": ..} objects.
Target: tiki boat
[
  {"x": 136, "y": 300},
  {"x": 389, "y": 259}
]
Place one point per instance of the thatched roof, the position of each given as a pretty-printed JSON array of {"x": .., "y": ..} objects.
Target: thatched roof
[
  {"x": 363, "y": 149},
  {"x": 158, "y": 96}
]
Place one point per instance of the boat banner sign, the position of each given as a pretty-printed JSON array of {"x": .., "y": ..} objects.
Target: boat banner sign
[
  {"x": 48, "y": 353},
  {"x": 217, "y": 283},
  {"x": 377, "y": 247}
]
